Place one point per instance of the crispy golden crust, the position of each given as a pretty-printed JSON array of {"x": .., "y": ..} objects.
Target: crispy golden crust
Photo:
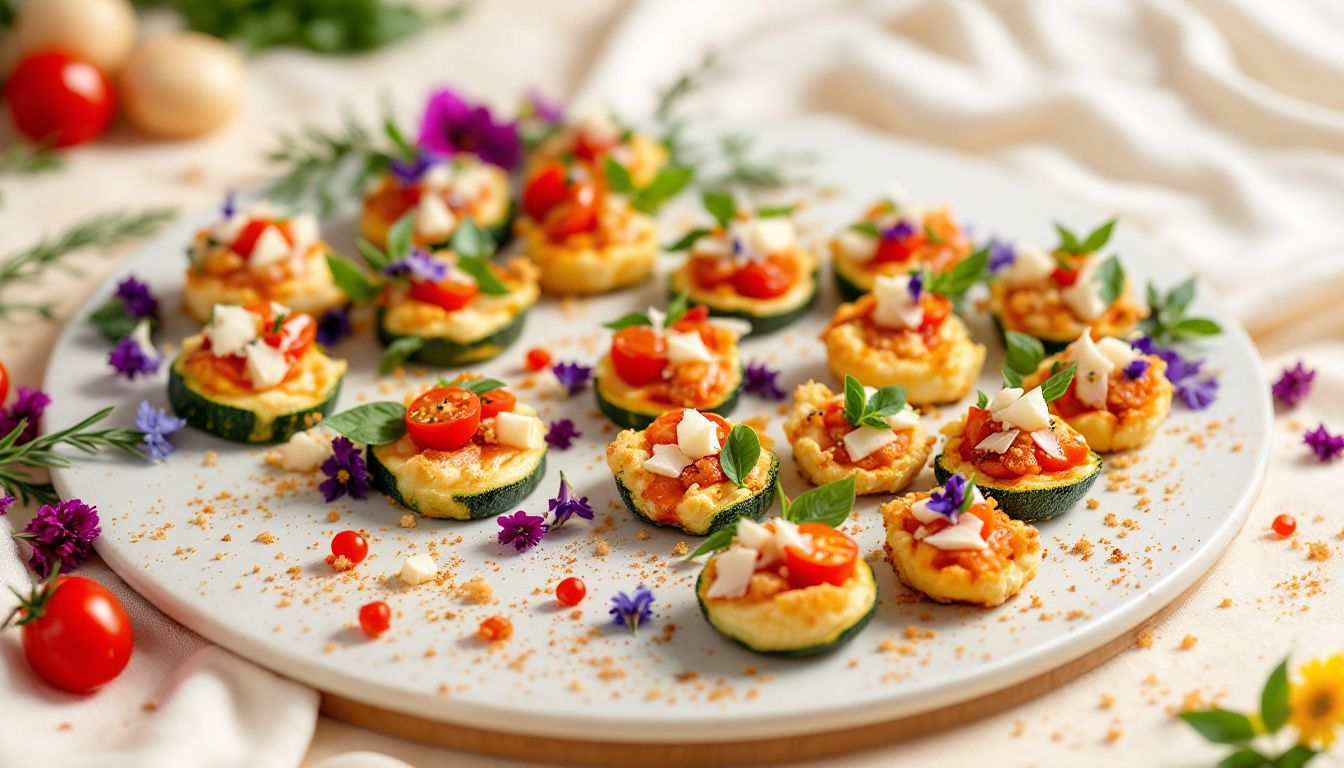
[
  {"x": 581, "y": 266},
  {"x": 944, "y": 374},
  {"x": 313, "y": 291},
  {"x": 483, "y": 316},
  {"x": 1107, "y": 431},
  {"x": 1040, "y": 311}
]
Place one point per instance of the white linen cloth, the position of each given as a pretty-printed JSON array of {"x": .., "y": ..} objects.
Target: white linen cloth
[{"x": 1216, "y": 127}]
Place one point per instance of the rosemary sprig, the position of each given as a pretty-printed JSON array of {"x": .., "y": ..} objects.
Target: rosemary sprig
[
  {"x": 40, "y": 452},
  {"x": 102, "y": 231},
  {"x": 328, "y": 168},
  {"x": 740, "y": 168}
]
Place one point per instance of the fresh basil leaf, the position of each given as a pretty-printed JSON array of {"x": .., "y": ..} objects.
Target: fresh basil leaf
[
  {"x": 376, "y": 257},
  {"x": 676, "y": 308},
  {"x": 399, "y": 352},
  {"x": 954, "y": 281},
  {"x": 351, "y": 280},
  {"x": 1068, "y": 242},
  {"x": 1058, "y": 383},
  {"x": 1011, "y": 378},
  {"x": 872, "y": 420},
  {"x": 721, "y": 206},
  {"x": 400, "y": 237},
  {"x": 1097, "y": 238},
  {"x": 1297, "y": 756},
  {"x": 627, "y": 320},
  {"x": 481, "y": 386},
  {"x": 1220, "y": 726},
  {"x": 740, "y": 454},
  {"x": 855, "y": 400},
  {"x": 829, "y": 504},
  {"x": 1244, "y": 758},
  {"x": 717, "y": 540},
  {"x": 666, "y": 185},
  {"x": 887, "y": 401},
  {"x": 784, "y": 501},
  {"x": 1023, "y": 353},
  {"x": 485, "y": 277},
  {"x": 1274, "y": 706},
  {"x": 372, "y": 423},
  {"x": 1188, "y": 327},
  {"x": 470, "y": 241},
  {"x": 112, "y": 320},
  {"x": 867, "y": 228},
  {"x": 775, "y": 211},
  {"x": 687, "y": 240},
  {"x": 1179, "y": 298},
  {"x": 933, "y": 237},
  {"x": 1111, "y": 276},
  {"x": 618, "y": 177},
  {"x": 981, "y": 400}
]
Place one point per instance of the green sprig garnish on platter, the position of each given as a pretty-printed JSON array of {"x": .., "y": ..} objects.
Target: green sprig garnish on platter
[
  {"x": 676, "y": 309},
  {"x": 861, "y": 410},
  {"x": 1070, "y": 243},
  {"x": 16, "y": 459},
  {"x": 1168, "y": 322}
]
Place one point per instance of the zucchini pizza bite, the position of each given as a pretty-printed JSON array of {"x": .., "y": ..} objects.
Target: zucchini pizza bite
[
  {"x": 693, "y": 471},
  {"x": 1054, "y": 297},
  {"x": 595, "y": 136},
  {"x": 256, "y": 256},
  {"x": 893, "y": 237},
  {"x": 953, "y": 545},
  {"x": 438, "y": 193},
  {"x": 749, "y": 266},
  {"x": 254, "y": 375},
  {"x": 904, "y": 333},
  {"x": 795, "y": 586},
  {"x": 1118, "y": 398},
  {"x": 1033, "y": 464},
  {"x": 872, "y": 435},
  {"x": 462, "y": 450},
  {"x": 666, "y": 361}
]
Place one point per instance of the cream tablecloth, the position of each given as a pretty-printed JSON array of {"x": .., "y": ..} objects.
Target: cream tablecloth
[{"x": 1216, "y": 127}]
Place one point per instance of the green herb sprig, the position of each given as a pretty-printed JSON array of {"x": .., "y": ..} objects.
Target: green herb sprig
[
  {"x": 1070, "y": 243},
  {"x": 23, "y": 158},
  {"x": 956, "y": 280},
  {"x": 676, "y": 309},
  {"x": 829, "y": 504},
  {"x": 647, "y": 199},
  {"x": 41, "y": 452},
  {"x": 326, "y": 168},
  {"x": 864, "y": 411},
  {"x": 740, "y": 453},
  {"x": 1022, "y": 357},
  {"x": 1169, "y": 322}
]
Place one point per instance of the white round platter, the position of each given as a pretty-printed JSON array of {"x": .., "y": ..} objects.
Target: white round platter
[{"x": 189, "y": 533}]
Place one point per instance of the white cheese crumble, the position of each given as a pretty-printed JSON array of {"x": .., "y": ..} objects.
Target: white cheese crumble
[
  {"x": 697, "y": 436},
  {"x": 687, "y": 347},
  {"x": 417, "y": 569},
  {"x": 667, "y": 460},
  {"x": 518, "y": 431},
  {"x": 732, "y": 573},
  {"x": 1028, "y": 412},
  {"x": 1084, "y": 296},
  {"x": 1031, "y": 266},
  {"x": 433, "y": 220},
  {"x": 895, "y": 307},
  {"x": 963, "y": 535},
  {"x": 999, "y": 441},
  {"x": 266, "y": 365},
  {"x": 865, "y": 441},
  {"x": 305, "y": 451},
  {"x": 1091, "y": 379},
  {"x": 231, "y": 328},
  {"x": 271, "y": 248}
]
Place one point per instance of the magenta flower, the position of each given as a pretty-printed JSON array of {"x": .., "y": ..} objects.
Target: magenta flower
[
  {"x": 29, "y": 404},
  {"x": 1326, "y": 446},
  {"x": 572, "y": 376},
  {"x": 6, "y": 502},
  {"x": 1293, "y": 385},
  {"x": 567, "y": 505},
  {"x": 345, "y": 471},
  {"x": 451, "y": 126},
  {"x": 61, "y": 534},
  {"x": 561, "y": 434},
  {"x": 522, "y": 530},
  {"x": 762, "y": 381}
]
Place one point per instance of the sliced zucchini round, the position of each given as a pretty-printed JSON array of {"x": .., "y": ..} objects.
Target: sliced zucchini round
[
  {"x": 765, "y": 315},
  {"x": 456, "y": 489},
  {"x": 849, "y": 281},
  {"x": 443, "y": 351},
  {"x": 629, "y": 411},
  {"x": 1030, "y": 498},
  {"x": 261, "y": 417},
  {"x": 788, "y": 624}
]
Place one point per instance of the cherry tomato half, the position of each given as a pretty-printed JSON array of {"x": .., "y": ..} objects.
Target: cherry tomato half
[
  {"x": 589, "y": 149},
  {"x": 444, "y": 418},
  {"x": 830, "y": 561},
  {"x": 350, "y": 545},
  {"x": 538, "y": 359},
  {"x": 1064, "y": 278},
  {"x": 709, "y": 272},
  {"x": 449, "y": 295},
  {"x": 545, "y": 190},
  {"x": 59, "y": 99},
  {"x": 82, "y": 638},
  {"x": 578, "y": 213},
  {"x": 1075, "y": 453},
  {"x": 571, "y": 591},
  {"x": 497, "y": 401},
  {"x": 295, "y": 335},
  {"x": 766, "y": 279},
  {"x": 375, "y": 618},
  {"x": 639, "y": 354},
  {"x": 247, "y": 239},
  {"x": 890, "y": 251}
]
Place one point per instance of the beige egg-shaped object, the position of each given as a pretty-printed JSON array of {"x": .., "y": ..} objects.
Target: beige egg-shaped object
[
  {"x": 182, "y": 85},
  {"x": 101, "y": 32}
]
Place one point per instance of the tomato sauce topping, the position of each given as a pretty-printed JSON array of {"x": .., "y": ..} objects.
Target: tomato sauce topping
[
  {"x": 1024, "y": 457},
  {"x": 1122, "y": 393},
  {"x": 995, "y": 533},
  {"x": 837, "y": 426},
  {"x": 766, "y": 278},
  {"x": 639, "y": 355},
  {"x": 665, "y": 493}
]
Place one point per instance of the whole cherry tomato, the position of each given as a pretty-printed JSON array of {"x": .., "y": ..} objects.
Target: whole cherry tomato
[
  {"x": 375, "y": 618},
  {"x": 639, "y": 354},
  {"x": 444, "y": 418},
  {"x": 76, "y": 635},
  {"x": 829, "y": 561},
  {"x": 570, "y": 591},
  {"x": 350, "y": 545},
  {"x": 545, "y": 190},
  {"x": 60, "y": 100},
  {"x": 578, "y": 213}
]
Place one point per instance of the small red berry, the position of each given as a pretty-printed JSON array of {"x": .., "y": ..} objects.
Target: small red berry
[
  {"x": 570, "y": 591},
  {"x": 1285, "y": 525},
  {"x": 350, "y": 545},
  {"x": 538, "y": 359},
  {"x": 495, "y": 629},
  {"x": 375, "y": 618}
]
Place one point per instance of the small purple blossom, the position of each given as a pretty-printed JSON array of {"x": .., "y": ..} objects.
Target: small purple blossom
[
  {"x": 1326, "y": 446},
  {"x": 230, "y": 204},
  {"x": 420, "y": 265},
  {"x": 537, "y": 105},
  {"x": 135, "y": 355},
  {"x": 157, "y": 425},
  {"x": 61, "y": 534},
  {"x": 567, "y": 505},
  {"x": 762, "y": 381},
  {"x": 561, "y": 434},
  {"x": 345, "y": 471},
  {"x": 136, "y": 298},
  {"x": 631, "y": 611},
  {"x": 522, "y": 530},
  {"x": 898, "y": 231},
  {"x": 1171, "y": 357},
  {"x": 333, "y": 325},
  {"x": 1197, "y": 393},
  {"x": 1293, "y": 385},
  {"x": 451, "y": 126},
  {"x": 1001, "y": 255},
  {"x": 28, "y": 406},
  {"x": 572, "y": 376},
  {"x": 1136, "y": 368},
  {"x": 915, "y": 287},
  {"x": 408, "y": 172},
  {"x": 949, "y": 502},
  {"x": 6, "y": 502}
]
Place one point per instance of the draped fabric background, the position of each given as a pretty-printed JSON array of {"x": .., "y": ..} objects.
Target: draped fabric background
[{"x": 1215, "y": 127}]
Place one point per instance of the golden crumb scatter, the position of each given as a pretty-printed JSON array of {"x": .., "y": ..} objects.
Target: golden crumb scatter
[
  {"x": 341, "y": 563},
  {"x": 1093, "y": 503},
  {"x": 1318, "y": 550},
  {"x": 643, "y": 535},
  {"x": 265, "y": 537},
  {"x": 333, "y": 516},
  {"x": 1118, "y": 556},
  {"x": 1113, "y": 735},
  {"x": 1227, "y": 603},
  {"x": 1082, "y": 547},
  {"x": 407, "y": 521},
  {"x": 601, "y": 548},
  {"x": 1188, "y": 642},
  {"x": 210, "y": 459},
  {"x": 65, "y": 726},
  {"x": 1144, "y": 640},
  {"x": 477, "y": 591},
  {"x": 1019, "y": 728},
  {"x": 226, "y": 537},
  {"x": 149, "y": 706},
  {"x": 680, "y": 549},
  {"x": 1107, "y": 701}
]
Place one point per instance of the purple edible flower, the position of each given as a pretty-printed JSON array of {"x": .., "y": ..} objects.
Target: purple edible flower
[
  {"x": 522, "y": 530},
  {"x": 567, "y": 505},
  {"x": 572, "y": 376},
  {"x": 1326, "y": 446},
  {"x": 1001, "y": 255},
  {"x": 1171, "y": 357},
  {"x": 61, "y": 534},
  {"x": 408, "y": 172},
  {"x": 345, "y": 471},
  {"x": 6, "y": 502},
  {"x": 333, "y": 325},
  {"x": 230, "y": 205},
  {"x": 1136, "y": 368},
  {"x": 135, "y": 355},
  {"x": 630, "y": 612},
  {"x": 136, "y": 298},
  {"x": 156, "y": 425},
  {"x": 898, "y": 231},
  {"x": 1293, "y": 385},
  {"x": 537, "y": 105},
  {"x": 760, "y": 380},
  {"x": 948, "y": 503},
  {"x": 29, "y": 404},
  {"x": 420, "y": 265},
  {"x": 451, "y": 125},
  {"x": 1197, "y": 393},
  {"x": 561, "y": 434},
  {"x": 915, "y": 287}
]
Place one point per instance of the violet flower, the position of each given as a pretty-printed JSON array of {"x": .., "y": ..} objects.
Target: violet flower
[
  {"x": 522, "y": 530},
  {"x": 157, "y": 425},
  {"x": 898, "y": 231},
  {"x": 333, "y": 325},
  {"x": 561, "y": 434},
  {"x": 1326, "y": 446},
  {"x": 951, "y": 499},
  {"x": 915, "y": 287},
  {"x": 1001, "y": 255},
  {"x": 230, "y": 204},
  {"x": 538, "y": 106},
  {"x": 420, "y": 266},
  {"x": 631, "y": 611},
  {"x": 408, "y": 172},
  {"x": 28, "y": 406},
  {"x": 1136, "y": 368},
  {"x": 451, "y": 125},
  {"x": 572, "y": 376},
  {"x": 345, "y": 471},
  {"x": 1197, "y": 393},
  {"x": 136, "y": 298},
  {"x": 135, "y": 355},
  {"x": 1293, "y": 385},
  {"x": 567, "y": 505},
  {"x": 762, "y": 381},
  {"x": 61, "y": 534},
  {"x": 6, "y": 502}
]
